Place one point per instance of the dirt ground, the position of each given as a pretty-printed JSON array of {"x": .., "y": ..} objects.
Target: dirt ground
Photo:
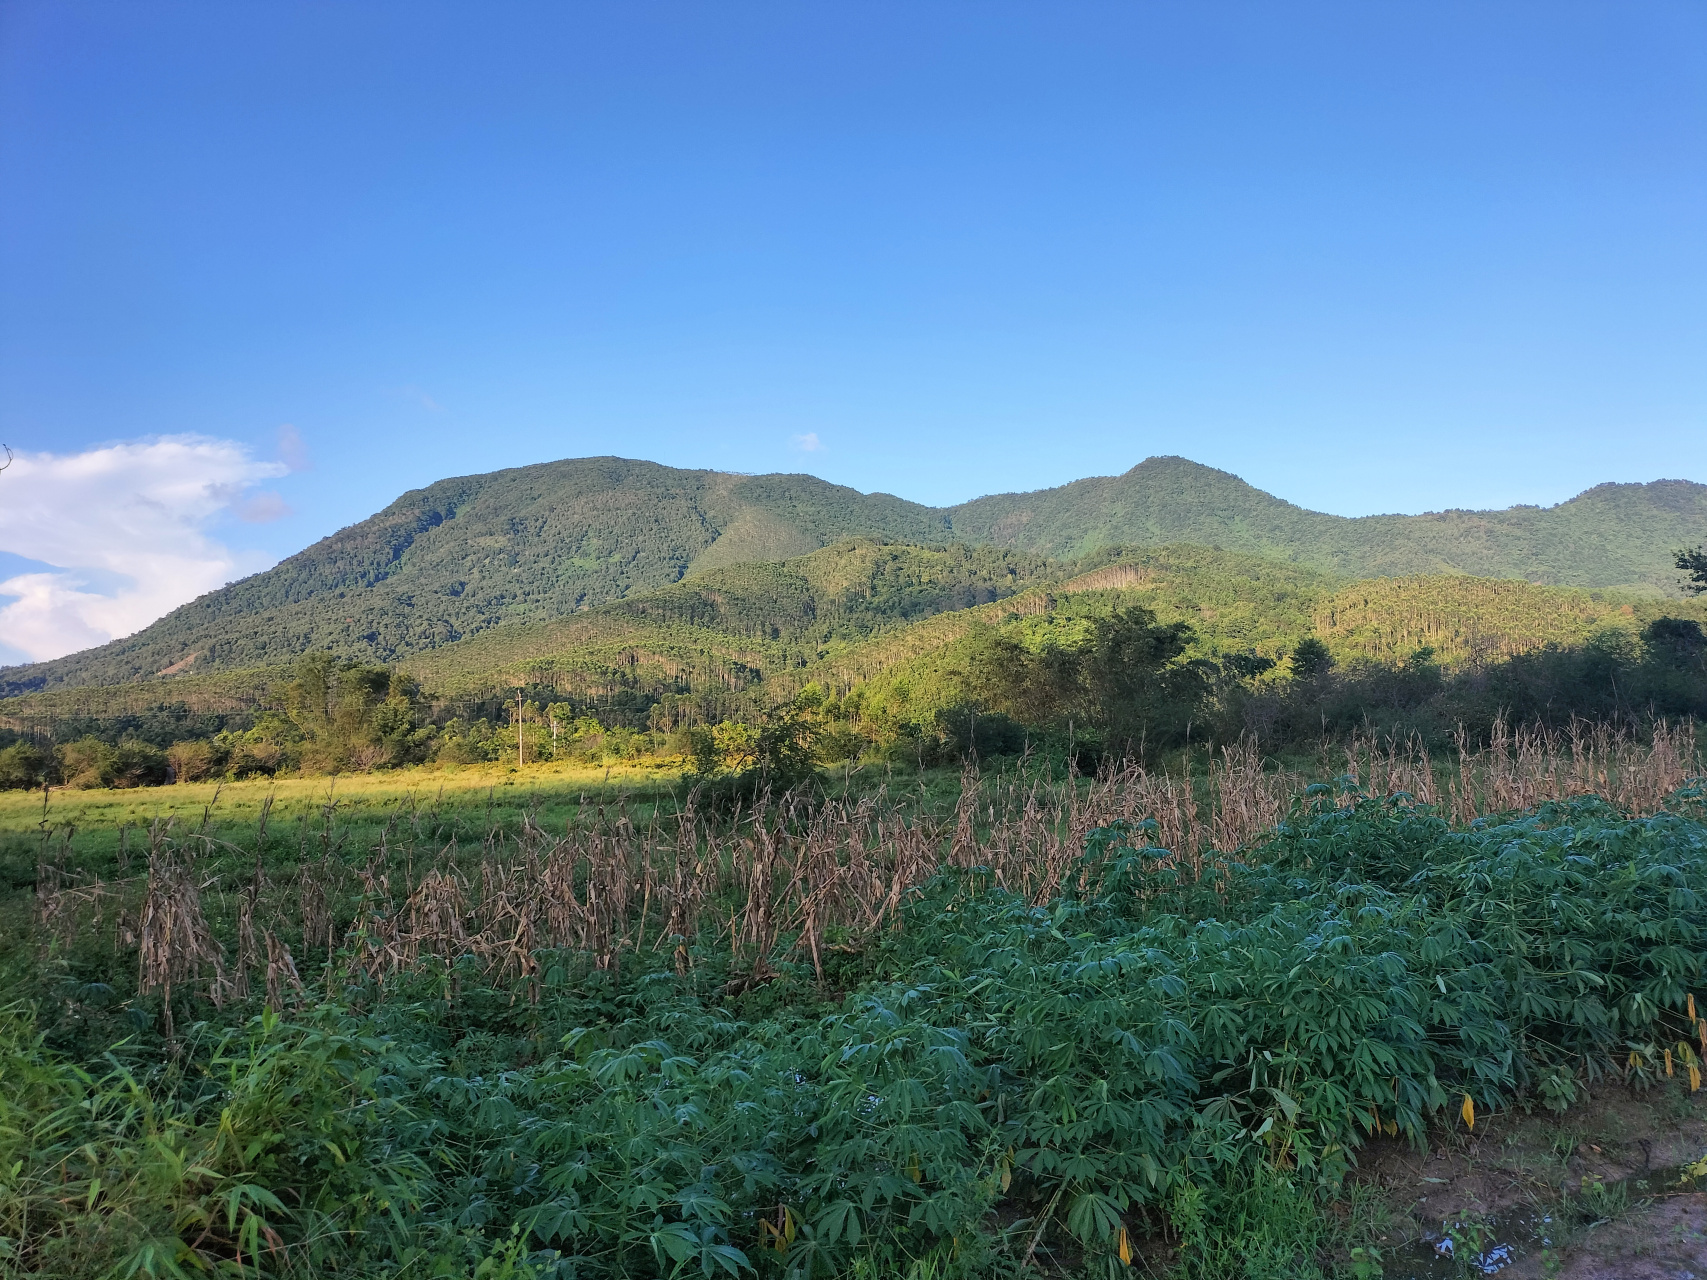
[{"x": 1593, "y": 1195}]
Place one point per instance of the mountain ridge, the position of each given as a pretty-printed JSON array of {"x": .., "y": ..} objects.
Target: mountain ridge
[{"x": 468, "y": 553}]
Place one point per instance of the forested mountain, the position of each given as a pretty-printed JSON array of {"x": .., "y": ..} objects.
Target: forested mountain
[
  {"x": 546, "y": 542},
  {"x": 738, "y": 639},
  {"x": 462, "y": 555},
  {"x": 1613, "y": 535}
]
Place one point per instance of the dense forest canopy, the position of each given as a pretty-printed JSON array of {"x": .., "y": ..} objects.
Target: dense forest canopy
[
  {"x": 867, "y": 650},
  {"x": 468, "y": 555}
]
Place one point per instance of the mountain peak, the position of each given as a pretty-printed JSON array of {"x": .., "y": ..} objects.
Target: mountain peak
[{"x": 546, "y": 541}]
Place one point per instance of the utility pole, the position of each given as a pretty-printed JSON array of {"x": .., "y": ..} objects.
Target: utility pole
[{"x": 518, "y": 726}]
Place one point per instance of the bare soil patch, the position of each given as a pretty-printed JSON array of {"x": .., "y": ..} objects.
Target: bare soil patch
[{"x": 1590, "y": 1195}]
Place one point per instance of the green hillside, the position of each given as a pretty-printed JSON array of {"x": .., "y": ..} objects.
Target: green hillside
[
  {"x": 544, "y": 543},
  {"x": 723, "y": 629},
  {"x": 449, "y": 561},
  {"x": 1477, "y": 620},
  {"x": 1614, "y": 535},
  {"x": 741, "y": 638}
]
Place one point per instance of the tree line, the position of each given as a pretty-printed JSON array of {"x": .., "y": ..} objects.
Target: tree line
[{"x": 1090, "y": 678}]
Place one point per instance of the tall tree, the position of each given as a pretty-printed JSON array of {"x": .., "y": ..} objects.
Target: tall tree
[
  {"x": 1694, "y": 563},
  {"x": 1123, "y": 676}
]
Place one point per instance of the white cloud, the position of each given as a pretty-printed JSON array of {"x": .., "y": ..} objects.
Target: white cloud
[
  {"x": 809, "y": 443},
  {"x": 124, "y": 528}
]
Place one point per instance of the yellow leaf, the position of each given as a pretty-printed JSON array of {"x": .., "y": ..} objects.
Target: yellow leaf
[
  {"x": 1668, "y": 1064},
  {"x": 1468, "y": 1111},
  {"x": 1692, "y": 1006},
  {"x": 1125, "y": 1249},
  {"x": 1694, "y": 1077}
]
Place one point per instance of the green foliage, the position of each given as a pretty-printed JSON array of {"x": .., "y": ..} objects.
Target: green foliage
[
  {"x": 271, "y": 744},
  {"x": 466, "y": 555},
  {"x": 1694, "y": 565},
  {"x": 1260, "y": 1224},
  {"x": 1604, "y": 537},
  {"x": 735, "y": 762},
  {"x": 281, "y": 1148},
  {"x": 1118, "y": 674},
  {"x": 1678, "y": 639},
  {"x": 90, "y": 762},
  {"x": 996, "y": 1076},
  {"x": 357, "y": 716},
  {"x": 22, "y": 765},
  {"x": 911, "y": 667},
  {"x": 198, "y": 761},
  {"x": 1615, "y": 678},
  {"x": 1310, "y": 658}
]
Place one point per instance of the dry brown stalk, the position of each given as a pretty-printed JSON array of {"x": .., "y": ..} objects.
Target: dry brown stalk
[
  {"x": 1528, "y": 766},
  {"x": 1391, "y": 766},
  {"x": 317, "y": 892},
  {"x": 248, "y": 949},
  {"x": 791, "y": 868},
  {"x": 281, "y": 973},
  {"x": 175, "y": 943}
]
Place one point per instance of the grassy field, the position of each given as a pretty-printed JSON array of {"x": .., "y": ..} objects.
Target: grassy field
[
  {"x": 461, "y": 805},
  {"x": 555, "y": 791}
]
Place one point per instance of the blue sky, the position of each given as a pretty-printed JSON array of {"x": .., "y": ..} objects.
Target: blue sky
[{"x": 1390, "y": 257}]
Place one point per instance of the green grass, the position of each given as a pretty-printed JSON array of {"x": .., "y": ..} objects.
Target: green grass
[{"x": 467, "y": 793}]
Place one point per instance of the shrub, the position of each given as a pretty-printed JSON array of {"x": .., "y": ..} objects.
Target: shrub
[
  {"x": 197, "y": 761},
  {"x": 22, "y": 765},
  {"x": 89, "y": 763},
  {"x": 837, "y": 743},
  {"x": 966, "y": 731},
  {"x": 137, "y": 764},
  {"x": 100, "y": 1176},
  {"x": 84, "y": 763}
]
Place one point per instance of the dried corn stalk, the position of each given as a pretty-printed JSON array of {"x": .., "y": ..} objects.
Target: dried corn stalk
[{"x": 175, "y": 944}]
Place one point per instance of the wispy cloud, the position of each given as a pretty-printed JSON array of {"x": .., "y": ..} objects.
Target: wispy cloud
[
  {"x": 420, "y": 397},
  {"x": 123, "y": 530},
  {"x": 809, "y": 443},
  {"x": 263, "y": 508},
  {"x": 293, "y": 449}
]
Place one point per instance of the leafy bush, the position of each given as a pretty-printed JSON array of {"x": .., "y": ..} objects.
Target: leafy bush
[
  {"x": 965, "y": 731},
  {"x": 22, "y": 765},
  {"x": 89, "y": 762},
  {"x": 270, "y": 1162},
  {"x": 198, "y": 761}
]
